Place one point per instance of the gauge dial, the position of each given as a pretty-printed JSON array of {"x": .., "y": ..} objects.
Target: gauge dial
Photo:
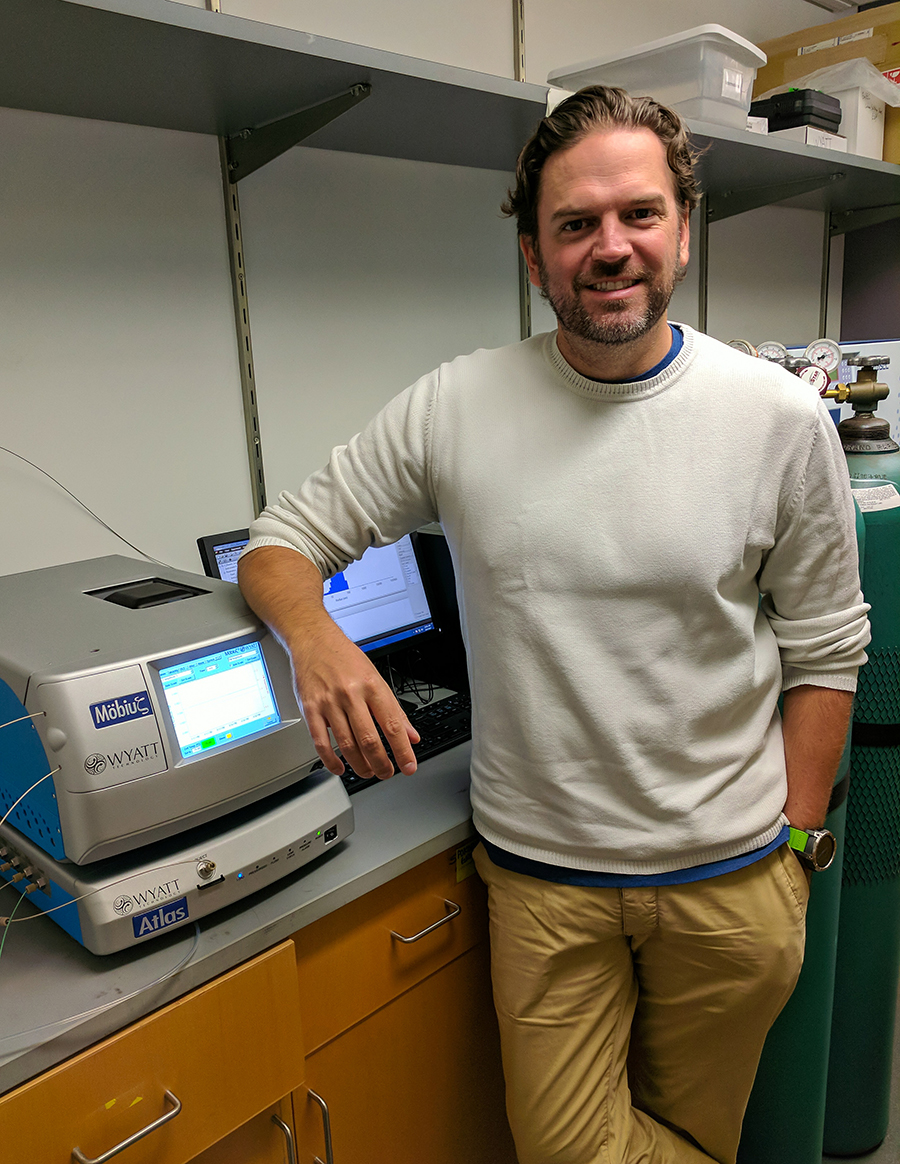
[
  {"x": 743, "y": 346},
  {"x": 825, "y": 353},
  {"x": 771, "y": 350},
  {"x": 816, "y": 376}
]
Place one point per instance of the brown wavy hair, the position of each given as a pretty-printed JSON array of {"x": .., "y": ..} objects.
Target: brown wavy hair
[{"x": 599, "y": 107}]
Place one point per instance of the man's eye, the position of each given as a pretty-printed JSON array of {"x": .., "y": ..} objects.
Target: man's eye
[
  {"x": 644, "y": 212},
  {"x": 573, "y": 225}
]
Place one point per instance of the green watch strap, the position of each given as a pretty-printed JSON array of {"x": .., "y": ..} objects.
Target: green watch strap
[{"x": 798, "y": 839}]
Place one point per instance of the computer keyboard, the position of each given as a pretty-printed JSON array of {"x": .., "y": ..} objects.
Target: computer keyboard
[{"x": 441, "y": 725}]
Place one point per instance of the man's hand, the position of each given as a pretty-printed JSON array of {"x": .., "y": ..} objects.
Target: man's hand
[{"x": 337, "y": 686}]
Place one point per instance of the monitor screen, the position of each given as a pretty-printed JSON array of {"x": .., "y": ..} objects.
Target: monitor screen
[
  {"x": 380, "y": 600},
  {"x": 377, "y": 602},
  {"x": 219, "y": 553},
  {"x": 219, "y": 698}
]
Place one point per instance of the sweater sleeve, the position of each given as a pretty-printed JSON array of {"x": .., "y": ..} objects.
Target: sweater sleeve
[
  {"x": 373, "y": 490},
  {"x": 810, "y": 578}
]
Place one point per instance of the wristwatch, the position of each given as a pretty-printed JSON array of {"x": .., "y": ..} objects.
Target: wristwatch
[{"x": 815, "y": 848}]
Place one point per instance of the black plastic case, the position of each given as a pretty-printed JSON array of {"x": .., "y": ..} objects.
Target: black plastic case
[{"x": 799, "y": 107}]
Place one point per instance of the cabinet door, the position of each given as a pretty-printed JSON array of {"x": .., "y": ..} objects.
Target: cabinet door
[
  {"x": 259, "y": 1141},
  {"x": 418, "y": 1080},
  {"x": 225, "y": 1052}
]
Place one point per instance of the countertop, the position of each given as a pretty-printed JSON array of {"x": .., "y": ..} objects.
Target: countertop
[{"x": 51, "y": 987}]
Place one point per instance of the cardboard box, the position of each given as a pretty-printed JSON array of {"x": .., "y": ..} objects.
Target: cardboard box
[
  {"x": 892, "y": 123},
  {"x": 812, "y": 135},
  {"x": 874, "y": 34}
]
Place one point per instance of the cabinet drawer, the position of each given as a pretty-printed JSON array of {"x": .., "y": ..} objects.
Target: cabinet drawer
[
  {"x": 225, "y": 1051},
  {"x": 349, "y": 964}
]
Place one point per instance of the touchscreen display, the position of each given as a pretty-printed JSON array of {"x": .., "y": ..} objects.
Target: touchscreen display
[{"x": 219, "y": 698}]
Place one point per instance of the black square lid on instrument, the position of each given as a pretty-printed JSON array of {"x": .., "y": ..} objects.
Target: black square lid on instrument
[{"x": 147, "y": 592}]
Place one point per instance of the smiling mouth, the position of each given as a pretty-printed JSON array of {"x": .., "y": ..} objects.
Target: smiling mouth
[{"x": 612, "y": 284}]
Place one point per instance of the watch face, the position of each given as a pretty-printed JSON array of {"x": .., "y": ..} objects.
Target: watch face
[{"x": 824, "y": 849}]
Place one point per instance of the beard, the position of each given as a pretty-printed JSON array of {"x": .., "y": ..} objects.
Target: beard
[{"x": 575, "y": 319}]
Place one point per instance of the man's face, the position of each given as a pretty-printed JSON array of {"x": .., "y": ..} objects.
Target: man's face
[{"x": 612, "y": 242}]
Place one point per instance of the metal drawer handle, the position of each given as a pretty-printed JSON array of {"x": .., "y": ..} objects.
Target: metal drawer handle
[
  {"x": 326, "y": 1124},
  {"x": 289, "y": 1136},
  {"x": 78, "y": 1155},
  {"x": 453, "y": 910}
]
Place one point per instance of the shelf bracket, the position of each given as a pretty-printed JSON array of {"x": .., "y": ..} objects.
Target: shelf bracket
[
  {"x": 843, "y": 221},
  {"x": 250, "y": 149},
  {"x": 731, "y": 202}
]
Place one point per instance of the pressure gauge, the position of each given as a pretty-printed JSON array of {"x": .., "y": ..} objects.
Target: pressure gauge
[
  {"x": 816, "y": 376},
  {"x": 825, "y": 353},
  {"x": 771, "y": 350},
  {"x": 743, "y": 346}
]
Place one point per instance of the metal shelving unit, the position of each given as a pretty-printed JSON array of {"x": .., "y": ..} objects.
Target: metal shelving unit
[
  {"x": 164, "y": 64},
  {"x": 742, "y": 171},
  {"x": 261, "y": 89},
  {"x": 156, "y": 63}
]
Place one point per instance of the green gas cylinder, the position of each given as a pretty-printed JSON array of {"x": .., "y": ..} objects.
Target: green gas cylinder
[
  {"x": 785, "y": 1118},
  {"x": 868, "y": 954}
]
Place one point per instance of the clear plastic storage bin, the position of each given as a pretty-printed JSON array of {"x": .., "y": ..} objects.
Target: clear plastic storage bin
[{"x": 706, "y": 73}]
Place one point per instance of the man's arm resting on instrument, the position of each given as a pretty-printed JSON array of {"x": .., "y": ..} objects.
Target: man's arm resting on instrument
[
  {"x": 815, "y": 722},
  {"x": 336, "y": 684}
]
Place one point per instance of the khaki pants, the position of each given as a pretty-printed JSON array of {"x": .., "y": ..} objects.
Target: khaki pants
[{"x": 632, "y": 1020}]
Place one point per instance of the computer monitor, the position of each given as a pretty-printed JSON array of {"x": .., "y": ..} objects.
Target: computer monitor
[
  {"x": 380, "y": 602},
  {"x": 219, "y": 553}
]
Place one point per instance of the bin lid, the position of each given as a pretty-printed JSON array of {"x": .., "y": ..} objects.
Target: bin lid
[{"x": 743, "y": 51}]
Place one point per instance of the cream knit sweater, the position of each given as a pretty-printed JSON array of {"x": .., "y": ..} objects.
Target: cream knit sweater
[{"x": 611, "y": 542}]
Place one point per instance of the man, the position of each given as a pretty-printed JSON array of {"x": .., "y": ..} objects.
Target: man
[{"x": 616, "y": 497}]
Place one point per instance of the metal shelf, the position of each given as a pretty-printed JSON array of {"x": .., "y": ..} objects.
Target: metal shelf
[
  {"x": 156, "y": 63},
  {"x": 740, "y": 171}
]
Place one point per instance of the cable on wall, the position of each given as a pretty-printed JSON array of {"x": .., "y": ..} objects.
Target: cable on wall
[{"x": 86, "y": 508}]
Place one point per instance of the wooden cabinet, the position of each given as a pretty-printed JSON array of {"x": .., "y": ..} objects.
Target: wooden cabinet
[
  {"x": 402, "y": 1040},
  {"x": 224, "y": 1053},
  {"x": 397, "y": 1037}
]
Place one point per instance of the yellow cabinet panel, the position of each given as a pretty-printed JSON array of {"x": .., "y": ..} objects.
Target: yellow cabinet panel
[
  {"x": 418, "y": 1081},
  {"x": 226, "y": 1051},
  {"x": 259, "y": 1141},
  {"x": 348, "y": 963}
]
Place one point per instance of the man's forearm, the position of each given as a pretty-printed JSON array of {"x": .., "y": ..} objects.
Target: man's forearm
[
  {"x": 816, "y": 720},
  {"x": 285, "y": 589}
]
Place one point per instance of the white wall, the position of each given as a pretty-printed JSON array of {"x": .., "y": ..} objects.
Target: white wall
[
  {"x": 472, "y": 34},
  {"x": 765, "y": 269},
  {"x": 119, "y": 373},
  {"x": 365, "y": 273}
]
